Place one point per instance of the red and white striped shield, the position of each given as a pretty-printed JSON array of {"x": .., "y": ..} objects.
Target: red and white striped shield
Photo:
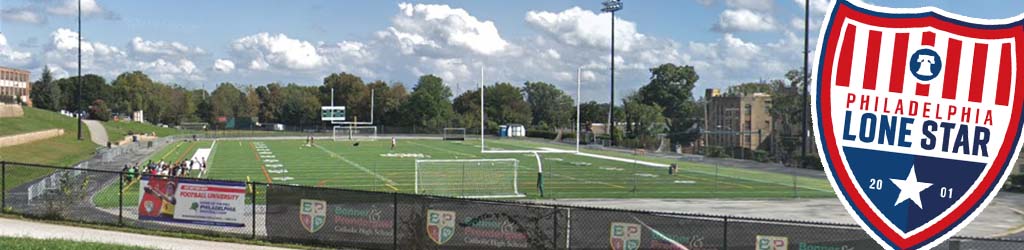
[{"x": 917, "y": 116}]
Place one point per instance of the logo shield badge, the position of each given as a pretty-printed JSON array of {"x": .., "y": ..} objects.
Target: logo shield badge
[
  {"x": 624, "y": 236},
  {"x": 917, "y": 116},
  {"x": 440, "y": 225},
  {"x": 312, "y": 214}
]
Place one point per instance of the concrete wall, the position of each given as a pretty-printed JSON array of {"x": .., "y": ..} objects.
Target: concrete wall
[
  {"x": 8, "y": 110},
  {"x": 11, "y": 140}
]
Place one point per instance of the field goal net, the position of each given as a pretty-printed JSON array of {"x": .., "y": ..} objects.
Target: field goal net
[
  {"x": 355, "y": 133},
  {"x": 468, "y": 178},
  {"x": 454, "y": 134}
]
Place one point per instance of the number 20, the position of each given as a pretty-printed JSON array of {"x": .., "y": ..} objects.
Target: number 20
[{"x": 876, "y": 184}]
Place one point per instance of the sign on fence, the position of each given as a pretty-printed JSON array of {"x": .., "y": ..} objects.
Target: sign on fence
[
  {"x": 448, "y": 223},
  {"x": 605, "y": 229},
  {"x": 327, "y": 216},
  {"x": 216, "y": 203}
]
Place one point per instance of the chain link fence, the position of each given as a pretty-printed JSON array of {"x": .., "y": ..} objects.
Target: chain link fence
[{"x": 328, "y": 217}]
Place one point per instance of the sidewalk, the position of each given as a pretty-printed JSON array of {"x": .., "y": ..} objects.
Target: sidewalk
[{"x": 31, "y": 229}]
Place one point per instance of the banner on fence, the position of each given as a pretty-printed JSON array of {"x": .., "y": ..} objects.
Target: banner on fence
[
  {"x": 429, "y": 223},
  {"x": 331, "y": 217},
  {"x": 216, "y": 203},
  {"x": 631, "y": 231}
]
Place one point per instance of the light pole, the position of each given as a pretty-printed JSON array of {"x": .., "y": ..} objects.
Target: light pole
[
  {"x": 803, "y": 132},
  {"x": 78, "y": 96},
  {"x": 611, "y": 6}
]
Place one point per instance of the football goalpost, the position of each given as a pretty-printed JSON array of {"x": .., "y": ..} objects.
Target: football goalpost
[
  {"x": 468, "y": 178},
  {"x": 345, "y": 130},
  {"x": 454, "y": 134},
  {"x": 536, "y": 153},
  {"x": 354, "y": 133}
]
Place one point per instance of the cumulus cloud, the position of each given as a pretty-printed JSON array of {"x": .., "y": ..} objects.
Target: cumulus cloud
[
  {"x": 23, "y": 15},
  {"x": 89, "y": 9},
  {"x": 759, "y": 5},
  {"x": 576, "y": 26},
  {"x": 264, "y": 51},
  {"x": 732, "y": 20},
  {"x": 162, "y": 48},
  {"x": 441, "y": 29},
  {"x": 818, "y": 7},
  {"x": 223, "y": 65},
  {"x": 10, "y": 56}
]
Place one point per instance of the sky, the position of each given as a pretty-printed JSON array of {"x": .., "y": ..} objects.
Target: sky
[{"x": 198, "y": 44}]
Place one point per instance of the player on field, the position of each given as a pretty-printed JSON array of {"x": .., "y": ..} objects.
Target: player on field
[{"x": 394, "y": 143}]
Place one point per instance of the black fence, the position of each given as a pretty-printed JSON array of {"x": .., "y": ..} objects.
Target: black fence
[{"x": 329, "y": 217}]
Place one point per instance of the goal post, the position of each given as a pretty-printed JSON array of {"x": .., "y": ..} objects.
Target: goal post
[
  {"x": 468, "y": 178},
  {"x": 355, "y": 133},
  {"x": 454, "y": 134}
]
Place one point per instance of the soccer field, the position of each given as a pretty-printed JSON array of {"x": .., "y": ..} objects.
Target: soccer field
[{"x": 372, "y": 165}]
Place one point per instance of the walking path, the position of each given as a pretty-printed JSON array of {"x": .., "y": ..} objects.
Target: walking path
[
  {"x": 31, "y": 229},
  {"x": 97, "y": 132}
]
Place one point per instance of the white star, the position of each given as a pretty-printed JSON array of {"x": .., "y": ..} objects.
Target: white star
[{"x": 910, "y": 188}]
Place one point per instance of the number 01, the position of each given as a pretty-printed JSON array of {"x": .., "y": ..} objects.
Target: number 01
[{"x": 945, "y": 192}]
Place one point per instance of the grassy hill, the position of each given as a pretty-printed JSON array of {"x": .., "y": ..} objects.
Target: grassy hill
[
  {"x": 116, "y": 131},
  {"x": 65, "y": 150}
]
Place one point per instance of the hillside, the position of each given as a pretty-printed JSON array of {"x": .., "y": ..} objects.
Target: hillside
[
  {"x": 64, "y": 150},
  {"x": 116, "y": 131}
]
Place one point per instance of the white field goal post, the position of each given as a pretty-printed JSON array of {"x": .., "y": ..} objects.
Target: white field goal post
[
  {"x": 468, "y": 178},
  {"x": 454, "y": 134},
  {"x": 354, "y": 133}
]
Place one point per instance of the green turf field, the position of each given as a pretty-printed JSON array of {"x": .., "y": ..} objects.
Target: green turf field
[{"x": 374, "y": 166}]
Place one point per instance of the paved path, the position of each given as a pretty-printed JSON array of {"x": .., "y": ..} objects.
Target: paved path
[
  {"x": 97, "y": 132},
  {"x": 21, "y": 228}
]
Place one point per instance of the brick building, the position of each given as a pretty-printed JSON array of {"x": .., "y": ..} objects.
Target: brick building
[
  {"x": 737, "y": 121},
  {"x": 15, "y": 83}
]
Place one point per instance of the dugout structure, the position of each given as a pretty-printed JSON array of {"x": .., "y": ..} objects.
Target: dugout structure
[{"x": 468, "y": 178}]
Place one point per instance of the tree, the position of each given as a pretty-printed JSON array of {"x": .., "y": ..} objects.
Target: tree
[
  {"x": 93, "y": 87},
  {"x": 227, "y": 101},
  {"x": 429, "y": 104},
  {"x": 504, "y": 104},
  {"x": 300, "y": 106},
  {"x": 550, "y": 105},
  {"x": 670, "y": 88},
  {"x": 750, "y": 88},
  {"x": 46, "y": 94},
  {"x": 99, "y": 110},
  {"x": 349, "y": 91},
  {"x": 592, "y": 112},
  {"x": 643, "y": 120},
  {"x": 389, "y": 100},
  {"x": 467, "y": 109}
]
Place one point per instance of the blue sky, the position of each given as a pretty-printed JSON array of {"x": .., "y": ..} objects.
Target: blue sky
[{"x": 202, "y": 43}]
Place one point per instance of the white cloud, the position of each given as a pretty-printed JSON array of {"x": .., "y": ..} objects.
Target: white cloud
[
  {"x": 223, "y": 65},
  {"x": 818, "y": 7},
  {"x": 164, "y": 70},
  {"x": 732, "y": 20},
  {"x": 9, "y": 56},
  {"x": 759, "y": 5},
  {"x": 278, "y": 51},
  {"x": 162, "y": 48},
  {"x": 576, "y": 26},
  {"x": 23, "y": 15},
  {"x": 89, "y": 9},
  {"x": 441, "y": 29}
]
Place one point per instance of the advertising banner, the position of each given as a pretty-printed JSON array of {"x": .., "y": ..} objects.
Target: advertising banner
[
  {"x": 215, "y": 203},
  {"x": 618, "y": 230},
  {"x": 443, "y": 223},
  {"x": 330, "y": 217}
]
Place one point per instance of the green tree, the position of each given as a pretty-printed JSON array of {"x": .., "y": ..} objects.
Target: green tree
[
  {"x": 349, "y": 91},
  {"x": 300, "y": 106},
  {"x": 226, "y": 101},
  {"x": 93, "y": 87},
  {"x": 99, "y": 110},
  {"x": 643, "y": 120},
  {"x": 750, "y": 88},
  {"x": 550, "y": 105},
  {"x": 429, "y": 104},
  {"x": 505, "y": 104},
  {"x": 388, "y": 102},
  {"x": 670, "y": 88},
  {"x": 46, "y": 94}
]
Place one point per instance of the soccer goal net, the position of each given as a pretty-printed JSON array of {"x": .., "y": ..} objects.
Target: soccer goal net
[
  {"x": 355, "y": 133},
  {"x": 468, "y": 178},
  {"x": 454, "y": 134}
]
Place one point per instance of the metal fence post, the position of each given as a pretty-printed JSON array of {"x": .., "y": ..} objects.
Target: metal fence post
[
  {"x": 120, "y": 198},
  {"x": 725, "y": 233},
  {"x": 3, "y": 186},
  {"x": 253, "y": 209},
  {"x": 394, "y": 221}
]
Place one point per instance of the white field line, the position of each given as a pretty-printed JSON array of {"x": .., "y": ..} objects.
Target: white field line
[
  {"x": 666, "y": 165},
  {"x": 357, "y": 165},
  {"x": 443, "y": 149}
]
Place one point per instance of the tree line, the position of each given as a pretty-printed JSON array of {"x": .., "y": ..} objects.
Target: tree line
[{"x": 664, "y": 105}]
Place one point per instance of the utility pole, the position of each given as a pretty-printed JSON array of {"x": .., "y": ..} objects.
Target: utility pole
[
  {"x": 78, "y": 97},
  {"x": 803, "y": 132},
  {"x": 611, "y": 6}
]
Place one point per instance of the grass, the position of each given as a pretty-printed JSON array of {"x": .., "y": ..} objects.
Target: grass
[
  {"x": 340, "y": 164},
  {"x": 57, "y": 244},
  {"x": 65, "y": 150},
  {"x": 117, "y": 130}
]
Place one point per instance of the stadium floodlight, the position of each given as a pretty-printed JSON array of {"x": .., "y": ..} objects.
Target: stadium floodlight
[
  {"x": 468, "y": 178},
  {"x": 611, "y": 6}
]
